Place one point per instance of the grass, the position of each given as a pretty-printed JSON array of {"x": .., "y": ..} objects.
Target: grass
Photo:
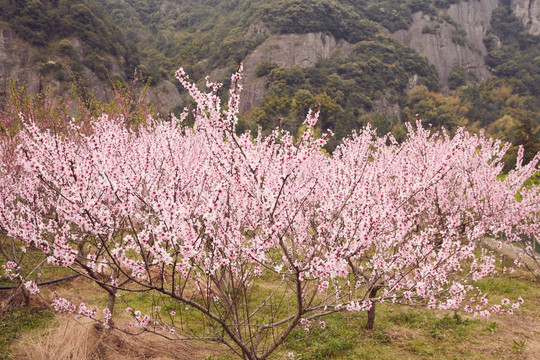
[
  {"x": 401, "y": 332},
  {"x": 412, "y": 333},
  {"x": 67, "y": 339},
  {"x": 18, "y": 321}
]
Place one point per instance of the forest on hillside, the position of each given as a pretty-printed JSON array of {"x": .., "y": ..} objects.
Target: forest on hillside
[
  {"x": 49, "y": 24},
  {"x": 159, "y": 36}
]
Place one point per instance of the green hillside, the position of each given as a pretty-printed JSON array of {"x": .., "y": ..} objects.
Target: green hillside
[
  {"x": 158, "y": 36},
  {"x": 202, "y": 35},
  {"x": 48, "y": 24}
]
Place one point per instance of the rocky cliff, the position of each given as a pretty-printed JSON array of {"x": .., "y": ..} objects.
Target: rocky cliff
[
  {"x": 471, "y": 17},
  {"x": 434, "y": 38},
  {"x": 287, "y": 50},
  {"x": 474, "y": 16},
  {"x": 528, "y": 11},
  {"x": 14, "y": 61},
  {"x": 18, "y": 62}
]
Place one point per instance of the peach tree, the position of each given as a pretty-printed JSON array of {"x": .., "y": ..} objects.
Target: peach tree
[{"x": 241, "y": 238}]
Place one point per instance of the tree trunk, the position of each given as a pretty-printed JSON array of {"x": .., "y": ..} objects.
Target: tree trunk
[
  {"x": 371, "y": 311},
  {"x": 111, "y": 302}
]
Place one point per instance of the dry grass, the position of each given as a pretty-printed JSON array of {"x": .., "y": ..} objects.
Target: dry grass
[
  {"x": 84, "y": 339},
  {"x": 401, "y": 332},
  {"x": 523, "y": 327},
  {"x": 88, "y": 340}
]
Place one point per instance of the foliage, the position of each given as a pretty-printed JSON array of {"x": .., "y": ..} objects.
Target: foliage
[
  {"x": 44, "y": 22},
  {"x": 56, "y": 114},
  {"x": 512, "y": 100},
  {"x": 203, "y": 35},
  {"x": 518, "y": 346},
  {"x": 517, "y": 57},
  {"x": 342, "y": 89},
  {"x": 206, "y": 34},
  {"x": 457, "y": 77},
  {"x": 436, "y": 109},
  {"x": 264, "y": 68},
  {"x": 300, "y": 16},
  {"x": 459, "y": 36},
  {"x": 430, "y": 30}
]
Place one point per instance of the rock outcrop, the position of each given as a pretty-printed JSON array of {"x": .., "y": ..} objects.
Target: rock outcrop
[
  {"x": 528, "y": 11},
  {"x": 14, "y": 61},
  {"x": 165, "y": 96},
  {"x": 16, "y": 64},
  {"x": 258, "y": 27},
  {"x": 473, "y": 17},
  {"x": 286, "y": 50},
  {"x": 383, "y": 105}
]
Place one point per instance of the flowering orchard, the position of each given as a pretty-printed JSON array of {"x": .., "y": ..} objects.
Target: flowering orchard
[
  {"x": 23, "y": 265},
  {"x": 253, "y": 236}
]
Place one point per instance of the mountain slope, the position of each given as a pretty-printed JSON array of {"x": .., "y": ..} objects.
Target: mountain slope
[
  {"x": 56, "y": 43},
  {"x": 47, "y": 43},
  {"x": 358, "y": 61}
]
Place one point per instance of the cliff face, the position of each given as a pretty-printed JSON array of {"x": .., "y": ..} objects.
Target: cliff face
[
  {"x": 16, "y": 63},
  {"x": 528, "y": 11},
  {"x": 473, "y": 17},
  {"x": 14, "y": 58},
  {"x": 165, "y": 96},
  {"x": 286, "y": 50}
]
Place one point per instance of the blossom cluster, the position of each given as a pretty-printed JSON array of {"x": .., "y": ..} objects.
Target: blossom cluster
[{"x": 174, "y": 208}]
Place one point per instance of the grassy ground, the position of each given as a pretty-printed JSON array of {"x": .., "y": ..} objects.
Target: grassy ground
[
  {"x": 413, "y": 333},
  {"x": 404, "y": 333},
  {"x": 20, "y": 322},
  {"x": 400, "y": 332}
]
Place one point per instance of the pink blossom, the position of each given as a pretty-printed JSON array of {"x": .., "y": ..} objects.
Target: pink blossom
[{"x": 199, "y": 213}]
